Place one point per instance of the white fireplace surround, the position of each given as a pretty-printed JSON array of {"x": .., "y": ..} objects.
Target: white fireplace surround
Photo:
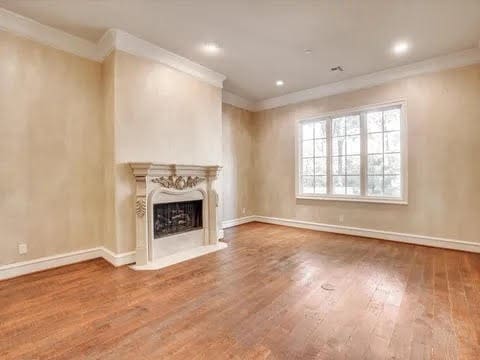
[
  {"x": 164, "y": 183},
  {"x": 171, "y": 244}
]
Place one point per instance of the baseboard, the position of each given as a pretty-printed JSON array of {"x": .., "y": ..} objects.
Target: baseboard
[
  {"x": 234, "y": 222},
  {"x": 118, "y": 259},
  {"x": 370, "y": 233},
  {"x": 50, "y": 262},
  {"x": 377, "y": 234}
]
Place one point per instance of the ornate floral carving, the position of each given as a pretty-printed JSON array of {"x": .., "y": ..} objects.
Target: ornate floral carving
[
  {"x": 166, "y": 182},
  {"x": 193, "y": 181},
  {"x": 178, "y": 182},
  {"x": 140, "y": 207}
]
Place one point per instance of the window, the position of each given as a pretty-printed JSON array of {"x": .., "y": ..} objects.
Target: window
[{"x": 355, "y": 155}]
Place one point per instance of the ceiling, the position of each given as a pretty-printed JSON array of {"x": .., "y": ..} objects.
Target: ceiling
[{"x": 264, "y": 40}]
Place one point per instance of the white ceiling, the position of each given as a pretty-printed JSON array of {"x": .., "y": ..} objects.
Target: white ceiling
[{"x": 264, "y": 40}]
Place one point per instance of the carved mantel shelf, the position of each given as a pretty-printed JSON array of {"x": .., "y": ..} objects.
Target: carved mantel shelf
[
  {"x": 153, "y": 178},
  {"x": 152, "y": 169}
]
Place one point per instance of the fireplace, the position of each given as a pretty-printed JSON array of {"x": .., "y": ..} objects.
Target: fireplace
[
  {"x": 176, "y": 217},
  {"x": 176, "y": 213}
]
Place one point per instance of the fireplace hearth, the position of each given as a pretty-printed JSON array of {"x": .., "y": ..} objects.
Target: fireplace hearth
[{"x": 176, "y": 217}]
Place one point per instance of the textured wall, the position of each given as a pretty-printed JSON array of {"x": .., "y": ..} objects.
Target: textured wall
[
  {"x": 69, "y": 127},
  {"x": 238, "y": 160},
  {"x": 51, "y": 162},
  {"x": 443, "y": 112},
  {"x": 163, "y": 116},
  {"x": 108, "y": 83}
]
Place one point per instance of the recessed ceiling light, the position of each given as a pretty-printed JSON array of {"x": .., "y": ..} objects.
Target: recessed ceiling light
[
  {"x": 211, "y": 48},
  {"x": 400, "y": 47},
  {"x": 279, "y": 83},
  {"x": 308, "y": 51}
]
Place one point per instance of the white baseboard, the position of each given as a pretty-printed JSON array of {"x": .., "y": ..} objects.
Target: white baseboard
[
  {"x": 50, "y": 262},
  {"x": 234, "y": 222},
  {"x": 118, "y": 259},
  {"x": 370, "y": 233}
]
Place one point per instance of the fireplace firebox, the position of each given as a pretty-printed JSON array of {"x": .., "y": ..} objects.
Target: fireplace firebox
[{"x": 176, "y": 217}]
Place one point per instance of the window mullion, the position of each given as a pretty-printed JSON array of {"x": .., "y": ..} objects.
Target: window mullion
[
  {"x": 329, "y": 155},
  {"x": 314, "y": 170},
  {"x": 363, "y": 154},
  {"x": 300, "y": 160},
  {"x": 383, "y": 153}
]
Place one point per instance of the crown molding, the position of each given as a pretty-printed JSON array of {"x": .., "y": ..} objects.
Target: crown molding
[
  {"x": 44, "y": 34},
  {"x": 106, "y": 44},
  {"x": 458, "y": 59},
  {"x": 113, "y": 39},
  {"x": 136, "y": 46},
  {"x": 238, "y": 101},
  {"x": 121, "y": 40},
  {"x": 445, "y": 62}
]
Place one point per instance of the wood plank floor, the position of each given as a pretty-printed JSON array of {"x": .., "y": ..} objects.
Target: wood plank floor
[{"x": 262, "y": 298}]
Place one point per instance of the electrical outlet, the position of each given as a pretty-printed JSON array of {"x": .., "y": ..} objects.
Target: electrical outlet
[
  {"x": 244, "y": 211},
  {"x": 22, "y": 249},
  {"x": 341, "y": 218}
]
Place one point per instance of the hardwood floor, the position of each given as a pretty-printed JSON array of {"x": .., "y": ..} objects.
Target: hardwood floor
[{"x": 260, "y": 298}]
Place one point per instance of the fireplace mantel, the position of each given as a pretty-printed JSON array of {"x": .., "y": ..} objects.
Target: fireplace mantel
[
  {"x": 154, "y": 178},
  {"x": 152, "y": 169}
]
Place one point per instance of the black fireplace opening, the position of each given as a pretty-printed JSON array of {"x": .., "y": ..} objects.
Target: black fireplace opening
[{"x": 176, "y": 217}]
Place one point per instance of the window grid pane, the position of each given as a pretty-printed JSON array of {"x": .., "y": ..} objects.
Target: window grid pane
[
  {"x": 321, "y": 166},
  {"x": 352, "y": 124},
  {"x": 384, "y": 153},
  {"x": 314, "y": 143},
  {"x": 338, "y": 126},
  {"x": 345, "y": 155},
  {"x": 319, "y": 152}
]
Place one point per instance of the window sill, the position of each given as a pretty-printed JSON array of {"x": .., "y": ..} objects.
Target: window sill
[{"x": 362, "y": 199}]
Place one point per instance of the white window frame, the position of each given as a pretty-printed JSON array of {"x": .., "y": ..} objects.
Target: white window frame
[{"x": 402, "y": 200}]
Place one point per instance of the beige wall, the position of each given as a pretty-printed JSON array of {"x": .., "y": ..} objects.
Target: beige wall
[
  {"x": 51, "y": 164},
  {"x": 443, "y": 111},
  {"x": 108, "y": 82},
  {"x": 164, "y": 116},
  {"x": 69, "y": 126},
  {"x": 238, "y": 157}
]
